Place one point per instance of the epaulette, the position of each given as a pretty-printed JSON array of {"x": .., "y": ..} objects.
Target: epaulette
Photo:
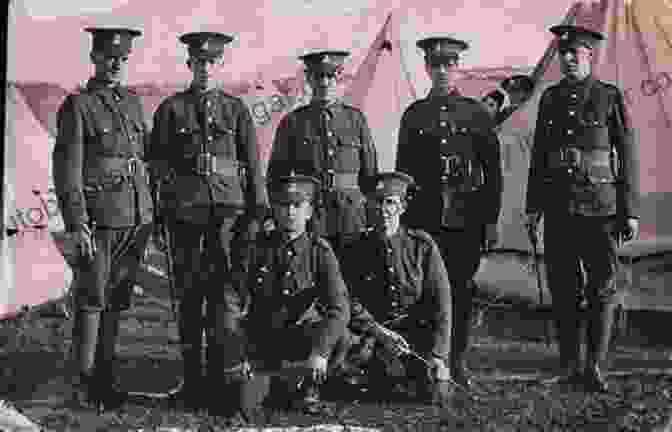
[
  {"x": 300, "y": 109},
  {"x": 420, "y": 234}
]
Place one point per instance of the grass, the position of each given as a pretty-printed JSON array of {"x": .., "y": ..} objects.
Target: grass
[{"x": 33, "y": 353}]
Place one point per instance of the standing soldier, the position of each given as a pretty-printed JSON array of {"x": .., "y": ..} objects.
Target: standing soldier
[
  {"x": 204, "y": 149},
  {"x": 447, "y": 144},
  {"x": 331, "y": 141},
  {"x": 400, "y": 291},
  {"x": 104, "y": 196},
  {"x": 583, "y": 177}
]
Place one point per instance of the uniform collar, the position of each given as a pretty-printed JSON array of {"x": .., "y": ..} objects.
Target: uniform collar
[
  {"x": 332, "y": 107},
  {"x": 578, "y": 84},
  {"x": 454, "y": 92},
  {"x": 95, "y": 84}
]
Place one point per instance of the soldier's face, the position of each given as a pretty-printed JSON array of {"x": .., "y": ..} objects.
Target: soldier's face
[
  {"x": 490, "y": 105},
  {"x": 389, "y": 210},
  {"x": 575, "y": 61},
  {"x": 110, "y": 68},
  {"x": 324, "y": 84},
  {"x": 203, "y": 69},
  {"x": 443, "y": 73},
  {"x": 292, "y": 217}
]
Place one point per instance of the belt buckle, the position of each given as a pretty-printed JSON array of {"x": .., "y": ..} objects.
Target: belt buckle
[
  {"x": 132, "y": 165},
  {"x": 204, "y": 164},
  {"x": 331, "y": 177}
]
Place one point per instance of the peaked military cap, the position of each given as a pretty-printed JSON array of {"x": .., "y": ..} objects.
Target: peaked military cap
[
  {"x": 294, "y": 188},
  {"x": 112, "y": 40},
  {"x": 439, "y": 47},
  {"x": 325, "y": 61},
  {"x": 571, "y": 34},
  {"x": 518, "y": 82},
  {"x": 205, "y": 44},
  {"x": 392, "y": 183}
]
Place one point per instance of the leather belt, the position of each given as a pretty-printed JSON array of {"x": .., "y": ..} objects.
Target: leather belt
[
  {"x": 341, "y": 180},
  {"x": 595, "y": 164},
  {"x": 221, "y": 166}
]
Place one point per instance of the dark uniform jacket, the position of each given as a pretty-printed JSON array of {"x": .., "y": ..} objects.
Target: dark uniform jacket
[
  {"x": 339, "y": 151},
  {"x": 288, "y": 280},
  {"x": 189, "y": 123},
  {"x": 390, "y": 278},
  {"x": 98, "y": 171},
  {"x": 584, "y": 159},
  {"x": 447, "y": 143}
]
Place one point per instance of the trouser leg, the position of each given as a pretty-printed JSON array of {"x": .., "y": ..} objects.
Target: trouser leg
[
  {"x": 562, "y": 266},
  {"x": 85, "y": 339}
]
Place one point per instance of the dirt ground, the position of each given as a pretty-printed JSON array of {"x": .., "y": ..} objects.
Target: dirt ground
[{"x": 509, "y": 359}]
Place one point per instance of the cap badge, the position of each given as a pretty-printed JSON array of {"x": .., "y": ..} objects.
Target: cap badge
[
  {"x": 326, "y": 59},
  {"x": 206, "y": 45},
  {"x": 116, "y": 40},
  {"x": 565, "y": 36},
  {"x": 292, "y": 187},
  {"x": 380, "y": 185}
]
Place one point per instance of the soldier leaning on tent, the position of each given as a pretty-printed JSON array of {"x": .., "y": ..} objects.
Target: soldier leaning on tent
[
  {"x": 292, "y": 304},
  {"x": 400, "y": 296},
  {"x": 583, "y": 178},
  {"x": 331, "y": 141},
  {"x": 519, "y": 89},
  {"x": 105, "y": 199},
  {"x": 447, "y": 144},
  {"x": 212, "y": 198}
]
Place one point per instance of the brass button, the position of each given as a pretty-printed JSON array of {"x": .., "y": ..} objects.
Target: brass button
[
  {"x": 444, "y": 108},
  {"x": 421, "y": 131},
  {"x": 288, "y": 273},
  {"x": 285, "y": 292},
  {"x": 443, "y": 124},
  {"x": 330, "y": 133},
  {"x": 331, "y": 152},
  {"x": 395, "y": 304},
  {"x": 571, "y": 113},
  {"x": 444, "y": 141},
  {"x": 570, "y": 132},
  {"x": 210, "y": 138},
  {"x": 573, "y": 95},
  {"x": 390, "y": 269}
]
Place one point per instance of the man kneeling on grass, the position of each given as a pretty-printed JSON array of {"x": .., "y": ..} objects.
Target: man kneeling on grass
[
  {"x": 292, "y": 305},
  {"x": 401, "y": 303}
]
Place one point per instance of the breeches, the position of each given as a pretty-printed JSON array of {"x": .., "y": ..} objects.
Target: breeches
[{"x": 107, "y": 282}]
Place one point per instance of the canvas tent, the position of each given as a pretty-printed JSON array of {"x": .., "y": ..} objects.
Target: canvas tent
[{"x": 383, "y": 76}]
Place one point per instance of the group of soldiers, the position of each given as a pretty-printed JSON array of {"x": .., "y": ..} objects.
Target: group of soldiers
[{"x": 359, "y": 270}]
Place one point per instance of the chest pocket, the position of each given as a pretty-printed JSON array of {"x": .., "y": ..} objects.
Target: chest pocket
[
  {"x": 109, "y": 137},
  {"x": 223, "y": 138},
  {"x": 348, "y": 151},
  {"x": 188, "y": 136}
]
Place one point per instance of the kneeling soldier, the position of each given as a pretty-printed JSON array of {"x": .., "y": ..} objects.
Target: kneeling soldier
[
  {"x": 294, "y": 301},
  {"x": 400, "y": 286}
]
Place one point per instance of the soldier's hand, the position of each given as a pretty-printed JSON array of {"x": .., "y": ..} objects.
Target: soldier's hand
[
  {"x": 531, "y": 221},
  {"x": 159, "y": 239},
  {"x": 439, "y": 371},
  {"x": 83, "y": 239},
  {"x": 318, "y": 365},
  {"x": 631, "y": 229},
  {"x": 491, "y": 236}
]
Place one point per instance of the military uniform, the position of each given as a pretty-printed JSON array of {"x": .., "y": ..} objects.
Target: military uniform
[
  {"x": 400, "y": 281},
  {"x": 583, "y": 177},
  {"x": 293, "y": 302},
  {"x": 447, "y": 144},
  {"x": 333, "y": 143},
  {"x": 205, "y": 160},
  {"x": 102, "y": 187}
]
